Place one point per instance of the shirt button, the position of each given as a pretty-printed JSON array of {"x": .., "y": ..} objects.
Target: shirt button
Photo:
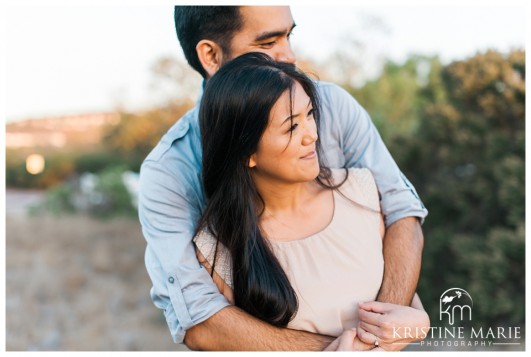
[{"x": 171, "y": 280}]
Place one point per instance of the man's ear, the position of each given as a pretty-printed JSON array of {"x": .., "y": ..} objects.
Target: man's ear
[{"x": 210, "y": 55}]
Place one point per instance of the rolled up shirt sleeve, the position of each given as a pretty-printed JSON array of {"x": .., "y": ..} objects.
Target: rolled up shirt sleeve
[
  {"x": 170, "y": 201},
  {"x": 362, "y": 146}
]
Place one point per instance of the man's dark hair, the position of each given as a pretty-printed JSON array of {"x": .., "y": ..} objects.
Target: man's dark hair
[{"x": 196, "y": 23}]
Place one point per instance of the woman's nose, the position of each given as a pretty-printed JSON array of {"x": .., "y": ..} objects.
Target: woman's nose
[{"x": 310, "y": 138}]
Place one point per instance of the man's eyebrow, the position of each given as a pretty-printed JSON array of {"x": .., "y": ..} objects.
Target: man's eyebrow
[{"x": 270, "y": 34}]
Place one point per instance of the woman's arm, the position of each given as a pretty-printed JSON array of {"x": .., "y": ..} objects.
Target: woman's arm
[
  {"x": 394, "y": 326},
  {"x": 220, "y": 283}
]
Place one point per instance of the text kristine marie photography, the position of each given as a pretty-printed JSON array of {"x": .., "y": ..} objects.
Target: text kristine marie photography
[{"x": 455, "y": 329}]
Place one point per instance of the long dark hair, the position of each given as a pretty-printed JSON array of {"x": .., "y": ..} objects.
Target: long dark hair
[{"x": 234, "y": 114}]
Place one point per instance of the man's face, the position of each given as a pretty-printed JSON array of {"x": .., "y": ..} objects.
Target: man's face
[{"x": 265, "y": 29}]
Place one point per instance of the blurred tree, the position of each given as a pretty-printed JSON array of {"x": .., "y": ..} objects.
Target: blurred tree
[
  {"x": 394, "y": 99},
  {"x": 116, "y": 199},
  {"x": 177, "y": 87},
  {"x": 359, "y": 54},
  {"x": 174, "y": 82},
  {"x": 467, "y": 161},
  {"x": 137, "y": 134}
]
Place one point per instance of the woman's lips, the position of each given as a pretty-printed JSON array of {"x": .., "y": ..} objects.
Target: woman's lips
[{"x": 310, "y": 155}]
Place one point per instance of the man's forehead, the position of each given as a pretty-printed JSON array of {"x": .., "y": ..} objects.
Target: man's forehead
[{"x": 261, "y": 22}]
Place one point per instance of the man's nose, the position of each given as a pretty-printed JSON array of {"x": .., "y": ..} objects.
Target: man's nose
[{"x": 286, "y": 53}]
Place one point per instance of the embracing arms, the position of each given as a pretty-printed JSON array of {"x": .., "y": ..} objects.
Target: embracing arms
[
  {"x": 379, "y": 319},
  {"x": 232, "y": 329}
]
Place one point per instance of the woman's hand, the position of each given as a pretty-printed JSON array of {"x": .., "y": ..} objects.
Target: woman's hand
[
  {"x": 393, "y": 326},
  {"x": 348, "y": 341}
]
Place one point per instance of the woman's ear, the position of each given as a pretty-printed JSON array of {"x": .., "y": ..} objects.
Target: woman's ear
[
  {"x": 252, "y": 162},
  {"x": 210, "y": 55}
]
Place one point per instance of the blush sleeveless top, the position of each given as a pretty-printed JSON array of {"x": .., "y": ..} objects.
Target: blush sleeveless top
[{"x": 333, "y": 270}]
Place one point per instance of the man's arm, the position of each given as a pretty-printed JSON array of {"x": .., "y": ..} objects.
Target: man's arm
[
  {"x": 169, "y": 205},
  {"x": 402, "y": 249},
  {"x": 231, "y": 329}
]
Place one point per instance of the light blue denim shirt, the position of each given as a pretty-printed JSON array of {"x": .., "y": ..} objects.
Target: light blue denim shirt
[{"x": 171, "y": 201}]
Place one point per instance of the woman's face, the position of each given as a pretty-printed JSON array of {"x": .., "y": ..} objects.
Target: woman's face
[{"x": 286, "y": 152}]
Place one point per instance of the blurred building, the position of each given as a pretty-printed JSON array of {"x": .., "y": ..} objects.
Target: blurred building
[{"x": 59, "y": 131}]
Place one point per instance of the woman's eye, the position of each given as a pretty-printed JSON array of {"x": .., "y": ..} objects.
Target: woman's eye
[
  {"x": 310, "y": 112},
  {"x": 293, "y": 127}
]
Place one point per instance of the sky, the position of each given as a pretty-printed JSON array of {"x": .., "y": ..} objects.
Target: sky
[{"x": 61, "y": 59}]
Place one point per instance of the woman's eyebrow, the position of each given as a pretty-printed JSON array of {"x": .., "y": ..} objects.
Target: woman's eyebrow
[
  {"x": 289, "y": 118},
  {"x": 295, "y": 115}
]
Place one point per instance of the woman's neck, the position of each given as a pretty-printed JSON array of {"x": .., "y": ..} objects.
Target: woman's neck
[
  {"x": 285, "y": 197},
  {"x": 294, "y": 210}
]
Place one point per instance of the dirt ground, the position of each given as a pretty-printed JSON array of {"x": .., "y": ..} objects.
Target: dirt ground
[{"x": 74, "y": 283}]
